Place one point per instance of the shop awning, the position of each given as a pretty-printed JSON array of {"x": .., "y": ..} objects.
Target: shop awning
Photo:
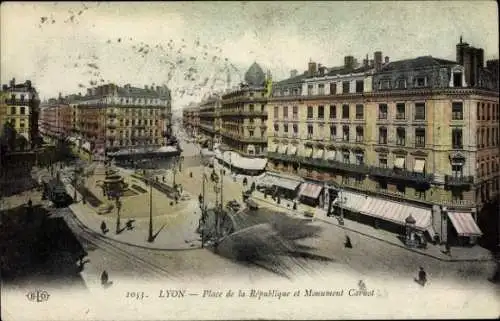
[
  {"x": 399, "y": 162},
  {"x": 307, "y": 152},
  {"x": 330, "y": 155},
  {"x": 464, "y": 224},
  {"x": 292, "y": 150},
  {"x": 397, "y": 212},
  {"x": 419, "y": 166},
  {"x": 310, "y": 190},
  {"x": 285, "y": 183},
  {"x": 319, "y": 153},
  {"x": 282, "y": 149},
  {"x": 351, "y": 201}
]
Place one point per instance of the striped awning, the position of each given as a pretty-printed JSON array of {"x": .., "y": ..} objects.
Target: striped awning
[
  {"x": 292, "y": 150},
  {"x": 330, "y": 155},
  {"x": 419, "y": 166},
  {"x": 399, "y": 162},
  {"x": 319, "y": 153},
  {"x": 310, "y": 190},
  {"x": 282, "y": 149},
  {"x": 397, "y": 212},
  {"x": 464, "y": 224},
  {"x": 350, "y": 200},
  {"x": 286, "y": 183}
]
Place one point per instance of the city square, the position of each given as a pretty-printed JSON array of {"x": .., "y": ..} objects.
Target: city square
[{"x": 169, "y": 175}]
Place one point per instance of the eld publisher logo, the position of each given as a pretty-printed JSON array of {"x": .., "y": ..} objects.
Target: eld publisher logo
[{"x": 38, "y": 296}]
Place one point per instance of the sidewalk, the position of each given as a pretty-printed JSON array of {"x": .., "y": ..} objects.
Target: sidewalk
[
  {"x": 175, "y": 231},
  {"x": 459, "y": 254}
]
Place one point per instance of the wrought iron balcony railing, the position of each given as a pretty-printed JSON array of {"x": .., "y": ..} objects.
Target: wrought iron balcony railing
[
  {"x": 402, "y": 174},
  {"x": 451, "y": 180}
]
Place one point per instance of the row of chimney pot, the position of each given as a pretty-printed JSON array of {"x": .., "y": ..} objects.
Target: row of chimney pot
[{"x": 349, "y": 62}]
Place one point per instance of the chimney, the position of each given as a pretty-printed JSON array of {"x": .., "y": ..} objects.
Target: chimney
[
  {"x": 386, "y": 60},
  {"x": 146, "y": 87},
  {"x": 13, "y": 82},
  {"x": 79, "y": 94},
  {"x": 321, "y": 70},
  {"x": 28, "y": 84},
  {"x": 293, "y": 73},
  {"x": 311, "y": 71},
  {"x": 378, "y": 60},
  {"x": 349, "y": 62}
]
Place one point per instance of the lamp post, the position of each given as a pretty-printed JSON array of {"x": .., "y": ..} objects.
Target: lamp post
[{"x": 150, "y": 229}]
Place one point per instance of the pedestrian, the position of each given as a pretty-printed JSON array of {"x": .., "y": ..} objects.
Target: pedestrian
[
  {"x": 104, "y": 278},
  {"x": 104, "y": 228},
  {"x": 163, "y": 178},
  {"x": 348, "y": 243},
  {"x": 422, "y": 277},
  {"x": 447, "y": 249}
]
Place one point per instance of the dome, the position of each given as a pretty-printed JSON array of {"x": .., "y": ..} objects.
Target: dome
[
  {"x": 255, "y": 75},
  {"x": 410, "y": 220}
]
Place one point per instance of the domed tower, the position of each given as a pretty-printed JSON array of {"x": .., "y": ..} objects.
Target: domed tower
[{"x": 255, "y": 75}]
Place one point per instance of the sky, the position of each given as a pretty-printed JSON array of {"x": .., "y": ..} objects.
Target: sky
[{"x": 196, "y": 48}]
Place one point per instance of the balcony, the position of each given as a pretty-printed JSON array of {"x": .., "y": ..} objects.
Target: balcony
[
  {"x": 402, "y": 175},
  {"x": 252, "y": 139},
  {"x": 111, "y": 114},
  {"x": 321, "y": 163},
  {"x": 139, "y": 126},
  {"x": 451, "y": 180}
]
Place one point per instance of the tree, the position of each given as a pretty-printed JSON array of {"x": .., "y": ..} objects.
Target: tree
[{"x": 8, "y": 136}]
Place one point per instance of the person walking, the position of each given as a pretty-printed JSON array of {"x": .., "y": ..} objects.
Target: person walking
[
  {"x": 104, "y": 278},
  {"x": 348, "y": 243},
  {"x": 422, "y": 277},
  {"x": 104, "y": 228}
]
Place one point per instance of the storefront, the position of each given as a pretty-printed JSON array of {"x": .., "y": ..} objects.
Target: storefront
[
  {"x": 463, "y": 229},
  {"x": 311, "y": 194},
  {"x": 240, "y": 164},
  {"x": 276, "y": 185}
]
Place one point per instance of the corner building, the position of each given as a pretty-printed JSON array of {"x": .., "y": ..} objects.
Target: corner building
[{"x": 399, "y": 139}]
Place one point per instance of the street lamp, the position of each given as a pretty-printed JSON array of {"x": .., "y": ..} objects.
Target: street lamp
[
  {"x": 150, "y": 229},
  {"x": 341, "y": 201}
]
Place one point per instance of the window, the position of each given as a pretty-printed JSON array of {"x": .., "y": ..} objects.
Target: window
[
  {"x": 360, "y": 159},
  {"x": 309, "y": 131},
  {"x": 285, "y": 112},
  {"x": 21, "y": 123},
  {"x": 457, "y": 79},
  {"x": 295, "y": 128},
  {"x": 401, "y": 83},
  {"x": 419, "y": 137},
  {"x": 276, "y": 128},
  {"x": 359, "y": 111},
  {"x": 457, "y": 170},
  {"x": 345, "y": 112},
  {"x": 321, "y": 112},
  {"x": 382, "y": 185},
  {"x": 345, "y": 87},
  {"x": 400, "y": 111},
  {"x": 250, "y": 133},
  {"x": 359, "y": 134},
  {"x": 285, "y": 128},
  {"x": 13, "y": 97},
  {"x": 478, "y": 111},
  {"x": 251, "y": 94},
  {"x": 420, "y": 82},
  {"x": 345, "y": 133},
  {"x": 420, "y": 193},
  {"x": 382, "y": 111},
  {"x": 382, "y": 161},
  {"x": 22, "y": 98},
  {"x": 263, "y": 107},
  {"x": 488, "y": 112},
  {"x": 309, "y": 90},
  {"x": 321, "y": 89},
  {"x": 12, "y": 110},
  {"x": 295, "y": 112},
  {"x": 276, "y": 111},
  {"x": 252, "y": 107},
  {"x": 400, "y": 136},
  {"x": 345, "y": 157},
  {"x": 384, "y": 84},
  {"x": 333, "y": 88},
  {"x": 419, "y": 111},
  {"x": 382, "y": 135},
  {"x": 309, "y": 112},
  {"x": 360, "y": 85},
  {"x": 457, "y": 111},
  {"x": 487, "y": 143},
  {"x": 22, "y": 111},
  {"x": 333, "y": 131},
  {"x": 333, "y": 111}
]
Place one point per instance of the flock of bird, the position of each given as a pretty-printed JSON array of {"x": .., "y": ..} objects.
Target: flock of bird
[{"x": 189, "y": 67}]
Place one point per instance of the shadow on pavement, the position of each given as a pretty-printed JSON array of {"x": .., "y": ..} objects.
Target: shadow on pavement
[
  {"x": 37, "y": 248},
  {"x": 272, "y": 245}
]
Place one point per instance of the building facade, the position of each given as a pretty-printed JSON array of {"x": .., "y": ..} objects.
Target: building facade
[
  {"x": 21, "y": 108},
  {"x": 110, "y": 119},
  {"x": 209, "y": 120},
  {"x": 191, "y": 119},
  {"x": 413, "y": 131},
  {"x": 243, "y": 116}
]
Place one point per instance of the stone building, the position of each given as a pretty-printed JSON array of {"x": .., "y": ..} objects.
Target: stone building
[
  {"x": 210, "y": 121},
  {"x": 117, "y": 121},
  {"x": 191, "y": 119},
  {"x": 417, "y": 136},
  {"x": 21, "y": 106},
  {"x": 243, "y": 116}
]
